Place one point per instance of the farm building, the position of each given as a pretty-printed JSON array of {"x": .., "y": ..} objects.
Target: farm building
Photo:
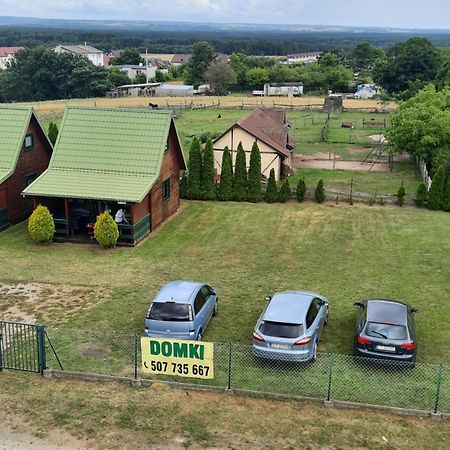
[
  {"x": 93, "y": 54},
  {"x": 25, "y": 153},
  {"x": 174, "y": 90},
  {"x": 267, "y": 127},
  {"x": 109, "y": 160},
  {"x": 7, "y": 56},
  {"x": 294, "y": 89}
]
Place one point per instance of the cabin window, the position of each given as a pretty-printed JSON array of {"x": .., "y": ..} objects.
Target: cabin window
[
  {"x": 166, "y": 189},
  {"x": 29, "y": 141},
  {"x": 30, "y": 178},
  {"x": 166, "y": 147}
]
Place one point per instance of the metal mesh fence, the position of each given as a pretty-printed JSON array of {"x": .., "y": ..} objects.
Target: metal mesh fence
[
  {"x": 89, "y": 351},
  {"x": 336, "y": 377}
]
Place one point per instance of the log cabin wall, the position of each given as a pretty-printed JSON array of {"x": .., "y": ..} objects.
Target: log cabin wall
[
  {"x": 161, "y": 209},
  {"x": 31, "y": 163}
]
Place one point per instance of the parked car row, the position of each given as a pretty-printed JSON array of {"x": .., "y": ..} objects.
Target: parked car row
[{"x": 290, "y": 327}]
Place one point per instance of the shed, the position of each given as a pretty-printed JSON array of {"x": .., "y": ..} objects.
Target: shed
[
  {"x": 25, "y": 152},
  {"x": 174, "y": 90},
  {"x": 108, "y": 159}
]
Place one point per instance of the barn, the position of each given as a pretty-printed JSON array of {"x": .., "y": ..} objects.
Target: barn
[
  {"x": 267, "y": 127},
  {"x": 108, "y": 159},
  {"x": 25, "y": 152}
]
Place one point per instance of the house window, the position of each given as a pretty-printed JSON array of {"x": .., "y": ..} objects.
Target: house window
[
  {"x": 30, "y": 178},
  {"x": 166, "y": 189},
  {"x": 166, "y": 147},
  {"x": 29, "y": 141}
]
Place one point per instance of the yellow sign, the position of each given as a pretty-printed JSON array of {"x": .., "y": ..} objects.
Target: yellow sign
[{"x": 190, "y": 359}]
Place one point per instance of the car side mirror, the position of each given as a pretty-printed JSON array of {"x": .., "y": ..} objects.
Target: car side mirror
[
  {"x": 358, "y": 305},
  {"x": 268, "y": 298}
]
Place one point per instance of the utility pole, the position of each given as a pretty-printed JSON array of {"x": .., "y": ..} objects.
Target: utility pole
[{"x": 146, "y": 65}]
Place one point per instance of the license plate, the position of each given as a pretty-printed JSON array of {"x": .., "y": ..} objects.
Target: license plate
[
  {"x": 385, "y": 348},
  {"x": 280, "y": 346}
]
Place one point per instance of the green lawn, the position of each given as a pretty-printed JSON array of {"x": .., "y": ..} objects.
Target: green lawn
[{"x": 247, "y": 251}]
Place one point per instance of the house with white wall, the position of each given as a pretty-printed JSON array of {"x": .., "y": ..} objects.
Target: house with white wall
[
  {"x": 7, "y": 56},
  {"x": 267, "y": 127},
  {"x": 93, "y": 54}
]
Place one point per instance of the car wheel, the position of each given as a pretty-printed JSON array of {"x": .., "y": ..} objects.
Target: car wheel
[
  {"x": 199, "y": 336},
  {"x": 216, "y": 309}
]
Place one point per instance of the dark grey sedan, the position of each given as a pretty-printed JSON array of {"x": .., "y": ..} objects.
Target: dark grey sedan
[{"x": 386, "y": 329}]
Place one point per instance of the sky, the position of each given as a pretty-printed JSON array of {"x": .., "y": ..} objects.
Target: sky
[{"x": 382, "y": 13}]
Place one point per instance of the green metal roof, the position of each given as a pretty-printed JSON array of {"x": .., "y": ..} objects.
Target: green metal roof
[
  {"x": 14, "y": 122},
  {"x": 105, "y": 154}
]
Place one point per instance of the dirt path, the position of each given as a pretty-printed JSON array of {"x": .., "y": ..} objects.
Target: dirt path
[{"x": 24, "y": 440}]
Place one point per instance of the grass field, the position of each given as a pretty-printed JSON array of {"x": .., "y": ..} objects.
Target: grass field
[
  {"x": 346, "y": 253},
  {"x": 105, "y": 416}
]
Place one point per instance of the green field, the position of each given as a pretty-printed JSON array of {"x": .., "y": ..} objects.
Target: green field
[{"x": 248, "y": 251}]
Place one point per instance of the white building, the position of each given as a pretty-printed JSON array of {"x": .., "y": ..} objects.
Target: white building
[
  {"x": 133, "y": 71},
  {"x": 93, "y": 54},
  {"x": 303, "y": 58},
  {"x": 7, "y": 56},
  {"x": 294, "y": 89}
]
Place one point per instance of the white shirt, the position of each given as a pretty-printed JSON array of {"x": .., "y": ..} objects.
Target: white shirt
[{"x": 120, "y": 216}]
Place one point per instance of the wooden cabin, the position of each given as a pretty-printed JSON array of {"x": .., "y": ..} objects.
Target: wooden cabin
[
  {"x": 25, "y": 152},
  {"x": 108, "y": 159},
  {"x": 267, "y": 127}
]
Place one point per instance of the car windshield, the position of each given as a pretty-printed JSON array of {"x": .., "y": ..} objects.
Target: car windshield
[
  {"x": 282, "y": 330},
  {"x": 386, "y": 331},
  {"x": 172, "y": 312}
]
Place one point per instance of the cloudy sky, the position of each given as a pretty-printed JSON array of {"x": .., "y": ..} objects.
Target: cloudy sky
[{"x": 383, "y": 13}]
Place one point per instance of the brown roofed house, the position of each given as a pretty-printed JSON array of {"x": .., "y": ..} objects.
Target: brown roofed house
[
  {"x": 267, "y": 127},
  {"x": 25, "y": 153}
]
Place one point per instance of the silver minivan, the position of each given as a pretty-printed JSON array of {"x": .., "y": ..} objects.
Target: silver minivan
[{"x": 181, "y": 310}]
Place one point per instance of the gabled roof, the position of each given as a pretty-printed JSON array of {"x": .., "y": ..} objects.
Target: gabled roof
[
  {"x": 14, "y": 121},
  {"x": 269, "y": 126},
  {"x": 82, "y": 49},
  {"x": 105, "y": 154},
  {"x": 181, "y": 58},
  {"x": 5, "y": 51}
]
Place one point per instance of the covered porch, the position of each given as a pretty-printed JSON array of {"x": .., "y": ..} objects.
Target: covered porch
[{"x": 75, "y": 218}]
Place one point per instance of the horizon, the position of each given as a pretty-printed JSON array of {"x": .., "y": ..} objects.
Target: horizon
[{"x": 403, "y": 14}]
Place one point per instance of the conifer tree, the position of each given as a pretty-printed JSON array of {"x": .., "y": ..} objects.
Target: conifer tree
[
  {"x": 272, "y": 189},
  {"x": 226, "y": 177},
  {"x": 254, "y": 175},
  {"x": 240, "y": 176},
  {"x": 421, "y": 195},
  {"x": 285, "y": 191},
  {"x": 436, "y": 192},
  {"x": 446, "y": 203},
  {"x": 195, "y": 170},
  {"x": 184, "y": 185},
  {"x": 52, "y": 132},
  {"x": 301, "y": 190},
  {"x": 208, "y": 183},
  {"x": 401, "y": 195},
  {"x": 320, "y": 192}
]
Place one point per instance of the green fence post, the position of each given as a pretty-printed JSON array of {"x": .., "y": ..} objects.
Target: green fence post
[
  {"x": 330, "y": 374},
  {"x": 41, "y": 349},
  {"x": 438, "y": 388},
  {"x": 136, "y": 345},
  {"x": 230, "y": 352}
]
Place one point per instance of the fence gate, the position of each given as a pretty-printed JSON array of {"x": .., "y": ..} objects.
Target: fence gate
[{"x": 22, "y": 347}]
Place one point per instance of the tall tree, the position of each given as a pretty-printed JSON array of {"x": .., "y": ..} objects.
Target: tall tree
[
  {"x": 208, "y": 184},
  {"x": 409, "y": 67},
  {"x": 240, "y": 183},
  {"x": 202, "y": 56},
  {"x": 226, "y": 177},
  {"x": 195, "y": 171},
  {"x": 117, "y": 77},
  {"x": 220, "y": 76},
  {"x": 256, "y": 77},
  {"x": 254, "y": 175},
  {"x": 271, "y": 195},
  {"x": 128, "y": 56},
  {"x": 436, "y": 192}
]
